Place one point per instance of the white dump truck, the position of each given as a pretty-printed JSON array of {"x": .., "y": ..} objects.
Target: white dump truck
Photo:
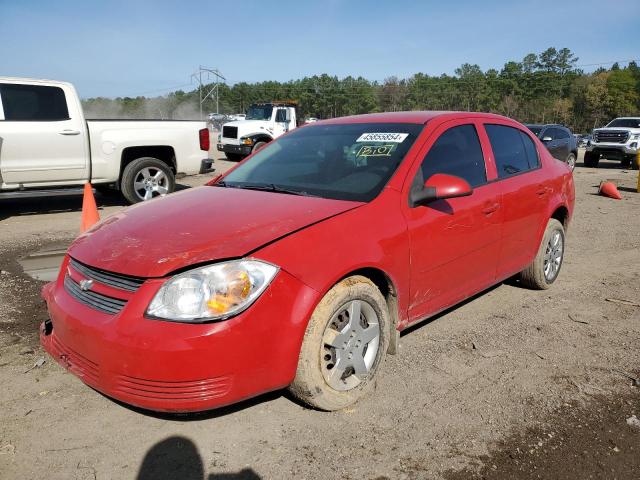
[
  {"x": 263, "y": 123},
  {"x": 48, "y": 148}
]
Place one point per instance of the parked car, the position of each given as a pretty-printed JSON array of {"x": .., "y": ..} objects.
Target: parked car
[
  {"x": 47, "y": 146},
  {"x": 559, "y": 140},
  {"x": 311, "y": 120},
  {"x": 619, "y": 140},
  {"x": 325, "y": 245}
]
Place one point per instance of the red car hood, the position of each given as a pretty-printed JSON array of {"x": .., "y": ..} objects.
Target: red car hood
[{"x": 198, "y": 225}]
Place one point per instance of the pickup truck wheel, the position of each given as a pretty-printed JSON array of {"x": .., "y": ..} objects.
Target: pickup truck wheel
[
  {"x": 146, "y": 178},
  {"x": 545, "y": 268},
  {"x": 626, "y": 161},
  {"x": 343, "y": 347},
  {"x": 258, "y": 146},
  {"x": 591, "y": 159},
  {"x": 571, "y": 161}
]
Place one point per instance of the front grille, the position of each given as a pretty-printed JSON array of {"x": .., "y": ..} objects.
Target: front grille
[
  {"x": 115, "y": 280},
  {"x": 230, "y": 132},
  {"x": 201, "y": 390},
  {"x": 94, "y": 300},
  {"x": 612, "y": 136}
]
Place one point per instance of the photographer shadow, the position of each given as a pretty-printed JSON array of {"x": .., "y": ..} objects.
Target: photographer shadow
[{"x": 178, "y": 458}]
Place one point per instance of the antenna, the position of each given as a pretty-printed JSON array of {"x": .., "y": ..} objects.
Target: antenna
[{"x": 209, "y": 73}]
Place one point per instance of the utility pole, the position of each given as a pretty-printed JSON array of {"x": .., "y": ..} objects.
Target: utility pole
[{"x": 209, "y": 74}]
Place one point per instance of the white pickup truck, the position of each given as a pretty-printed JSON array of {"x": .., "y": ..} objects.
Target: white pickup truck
[
  {"x": 263, "y": 123},
  {"x": 619, "y": 140},
  {"x": 47, "y": 146}
]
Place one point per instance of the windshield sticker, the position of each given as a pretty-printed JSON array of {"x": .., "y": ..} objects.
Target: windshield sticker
[
  {"x": 375, "y": 151},
  {"x": 382, "y": 137}
]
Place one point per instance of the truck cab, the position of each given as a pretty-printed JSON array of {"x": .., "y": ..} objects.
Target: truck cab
[{"x": 263, "y": 123}]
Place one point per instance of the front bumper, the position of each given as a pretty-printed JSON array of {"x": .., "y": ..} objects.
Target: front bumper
[
  {"x": 179, "y": 367},
  {"x": 630, "y": 148},
  {"x": 236, "y": 149}
]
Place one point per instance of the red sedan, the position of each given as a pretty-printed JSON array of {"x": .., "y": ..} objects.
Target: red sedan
[{"x": 300, "y": 266}]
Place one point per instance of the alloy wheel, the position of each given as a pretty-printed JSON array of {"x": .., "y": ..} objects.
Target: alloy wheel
[
  {"x": 553, "y": 256},
  {"x": 150, "y": 182}
]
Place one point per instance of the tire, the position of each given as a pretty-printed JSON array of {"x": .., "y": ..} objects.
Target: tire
[
  {"x": 330, "y": 322},
  {"x": 258, "y": 146},
  {"x": 571, "y": 161},
  {"x": 146, "y": 178},
  {"x": 233, "y": 157},
  {"x": 536, "y": 275},
  {"x": 591, "y": 159},
  {"x": 626, "y": 161}
]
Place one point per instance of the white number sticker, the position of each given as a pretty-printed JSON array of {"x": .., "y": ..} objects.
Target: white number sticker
[{"x": 382, "y": 137}]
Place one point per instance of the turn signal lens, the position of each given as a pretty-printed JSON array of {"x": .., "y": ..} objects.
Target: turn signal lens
[
  {"x": 247, "y": 141},
  {"x": 213, "y": 292}
]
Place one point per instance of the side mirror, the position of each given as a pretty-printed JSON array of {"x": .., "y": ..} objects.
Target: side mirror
[
  {"x": 440, "y": 187},
  {"x": 546, "y": 139}
]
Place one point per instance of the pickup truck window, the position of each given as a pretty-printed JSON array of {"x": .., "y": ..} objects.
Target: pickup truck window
[
  {"x": 259, "y": 113},
  {"x": 34, "y": 103},
  {"x": 456, "y": 152},
  {"x": 509, "y": 150},
  {"x": 342, "y": 162},
  {"x": 625, "y": 123}
]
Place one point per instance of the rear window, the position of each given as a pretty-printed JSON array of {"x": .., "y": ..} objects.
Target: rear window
[
  {"x": 36, "y": 103},
  {"x": 511, "y": 151}
]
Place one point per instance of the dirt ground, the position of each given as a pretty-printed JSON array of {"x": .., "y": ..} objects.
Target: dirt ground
[{"x": 512, "y": 384}]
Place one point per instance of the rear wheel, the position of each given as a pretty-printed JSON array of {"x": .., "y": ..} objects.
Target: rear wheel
[
  {"x": 146, "y": 178},
  {"x": 591, "y": 159},
  {"x": 544, "y": 269},
  {"x": 571, "y": 161},
  {"x": 344, "y": 346}
]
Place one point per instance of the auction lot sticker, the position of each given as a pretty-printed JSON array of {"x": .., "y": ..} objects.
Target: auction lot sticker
[{"x": 382, "y": 137}]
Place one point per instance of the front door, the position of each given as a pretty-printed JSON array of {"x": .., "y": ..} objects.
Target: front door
[
  {"x": 454, "y": 243},
  {"x": 39, "y": 141}
]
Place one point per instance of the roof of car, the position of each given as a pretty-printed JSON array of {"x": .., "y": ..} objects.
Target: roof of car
[
  {"x": 542, "y": 125},
  {"x": 408, "y": 117}
]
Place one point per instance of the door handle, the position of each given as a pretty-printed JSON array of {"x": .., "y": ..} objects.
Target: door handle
[
  {"x": 490, "y": 208},
  {"x": 542, "y": 191},
  {"x": 69, "y": 132}
]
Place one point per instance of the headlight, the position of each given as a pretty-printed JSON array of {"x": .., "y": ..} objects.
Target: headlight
[
  {"x": 635, "y": 136},
  {"x": 213, "y": 292},
  {"x": 247, "y": 141}
]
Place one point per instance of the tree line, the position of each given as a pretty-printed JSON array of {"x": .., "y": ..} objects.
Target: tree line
[{"x": 547, "y": 87}]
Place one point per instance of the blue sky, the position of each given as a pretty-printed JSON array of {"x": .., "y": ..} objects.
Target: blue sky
[{"x": 136, "y": 47}]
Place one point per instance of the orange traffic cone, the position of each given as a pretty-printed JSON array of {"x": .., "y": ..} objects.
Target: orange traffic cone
[
  {"x": 609, "y": 189},
  {"x": 90, "y": 215}
]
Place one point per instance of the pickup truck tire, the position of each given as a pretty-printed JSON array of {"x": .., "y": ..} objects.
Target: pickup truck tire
[
  {"x": 591, "y": 159},
  {"x": 332, "y": 321},
  {"x": 258, "y": 146},
  {"x": 146, "y": 178},
  {"x": 544, "y": 269},
  {"x": 571, "y": 161}
]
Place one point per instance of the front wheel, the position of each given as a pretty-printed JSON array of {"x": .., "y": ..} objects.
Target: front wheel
[
  {"x": 146, "y": 178},
  {"x": 344, "y": 346},
  {"x": 571, "y": 161},
  {"x": 591, "y": 159},
  {"x": 544, "y": 269}
]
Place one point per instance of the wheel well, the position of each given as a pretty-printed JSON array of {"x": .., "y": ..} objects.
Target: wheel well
[
  {"x": 163, "y": 153},
  {"x": 562, "y": 215},
  {"x": 388, "y": 290},
  {"x": 261, "y": 138}
]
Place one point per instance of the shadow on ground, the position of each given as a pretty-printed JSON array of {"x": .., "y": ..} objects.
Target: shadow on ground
[{"x": 178, "y": 458}]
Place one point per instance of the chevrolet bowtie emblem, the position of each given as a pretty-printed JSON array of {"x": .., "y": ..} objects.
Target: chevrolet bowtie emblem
[{"x": 86, "y": 284}]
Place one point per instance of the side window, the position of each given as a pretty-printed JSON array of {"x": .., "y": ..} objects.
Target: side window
[
  {"x": 34, "y": 103},
  {"x": 531, "y": 151},
  {"x": 508, "y": 149},
  {"x": 561, "y": 134},
  {"x": 456, "y": 152},
  {"x": 281, "y": 115}
]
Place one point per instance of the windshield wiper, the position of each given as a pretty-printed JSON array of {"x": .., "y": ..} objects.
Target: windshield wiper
[{"x": 271, "y": 187}]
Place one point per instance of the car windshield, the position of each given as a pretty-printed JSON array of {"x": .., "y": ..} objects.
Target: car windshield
[
  {"x": 259, "y": 113},
  {"x": 536, "y": 130},
  {"x": 343, "y": 162},
  {"x": 625, "y": 123}
]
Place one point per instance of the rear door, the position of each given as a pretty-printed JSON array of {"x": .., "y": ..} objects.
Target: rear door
[
  {"x": 40, "y": 142},
  {"x": 454, "y": 244},
  {"x": 525, "y": 194}
]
